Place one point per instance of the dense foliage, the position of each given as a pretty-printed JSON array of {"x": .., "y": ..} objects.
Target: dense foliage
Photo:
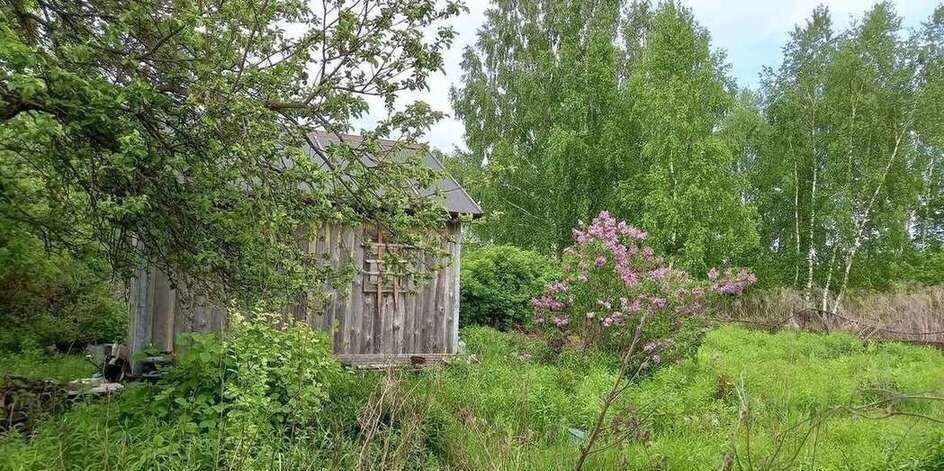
[
  {"x": 177, "y": 132},
  {"x": 827, "y": 178},
  {"x": 52, "y": 297},
  {"x": 255, "y": 396},
  {"x": 497, "y": 284},
  {"x": 852, "y": 141}
]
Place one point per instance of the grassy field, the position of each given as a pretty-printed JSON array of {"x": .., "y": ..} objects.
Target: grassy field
[
  {"x": 742, "y": 391},
  {"x": 751, "y": 399}
]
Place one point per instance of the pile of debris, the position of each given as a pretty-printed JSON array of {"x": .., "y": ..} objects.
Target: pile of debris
[{"x": 25, "y": 401}]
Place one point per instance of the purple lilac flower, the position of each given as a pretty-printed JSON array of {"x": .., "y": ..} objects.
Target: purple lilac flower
[
  {"x": 658, "y": 273},
  {"x": 633, "y": 306},
  {"x": 557, "y": 287},
  {"x": 546, "y": 302}
]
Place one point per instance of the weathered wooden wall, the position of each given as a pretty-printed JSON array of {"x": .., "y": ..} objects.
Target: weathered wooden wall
[{"x": 379, "y": 314}]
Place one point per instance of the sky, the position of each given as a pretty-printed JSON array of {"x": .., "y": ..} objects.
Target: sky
[{"x": 752, "y": 32}]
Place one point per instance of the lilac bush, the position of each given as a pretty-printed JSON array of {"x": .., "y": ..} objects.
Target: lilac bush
[{"x": 613, "y": 281}]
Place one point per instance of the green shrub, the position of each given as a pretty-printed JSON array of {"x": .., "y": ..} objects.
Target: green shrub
[
  {"x": 256, "y": 383},
  {"x": 497, "y": 284}
]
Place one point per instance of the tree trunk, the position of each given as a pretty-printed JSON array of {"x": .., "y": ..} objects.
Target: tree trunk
[
  {"x": 796, "y": 223},
  {"x": 829, "y": 279},
  {"x": 812, "y": 247},
  {"x": 867, "y": 214}
]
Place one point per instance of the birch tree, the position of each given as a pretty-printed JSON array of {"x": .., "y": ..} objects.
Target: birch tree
[
  {"x": 578, "y": 106},
  {"x": 543, "y": 116},
  {"x": 690, "y": 186},
  {"x": 840, "y": 177}
]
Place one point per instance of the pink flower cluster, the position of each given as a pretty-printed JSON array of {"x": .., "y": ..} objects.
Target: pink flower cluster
[
  {"x": 605, "y": 228},
  {"x": 733, "y": 282},
  {"x": 557, "y": 287},
  {"x": 620, "y": 240},
  {"x": 547, "y": 302},
  {"x": 616, "y": 318},
  {"x": 657, "y": 344},
  {"x": 633, "y": 306}
]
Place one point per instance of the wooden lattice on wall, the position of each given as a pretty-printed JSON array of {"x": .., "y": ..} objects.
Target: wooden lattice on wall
[{"x": 403, "y": 300}]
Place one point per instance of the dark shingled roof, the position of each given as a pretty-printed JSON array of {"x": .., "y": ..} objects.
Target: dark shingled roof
[{"x": 455, "y": 198}]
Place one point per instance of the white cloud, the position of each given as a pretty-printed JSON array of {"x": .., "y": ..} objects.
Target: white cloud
[{"x": 751, "y": 31}]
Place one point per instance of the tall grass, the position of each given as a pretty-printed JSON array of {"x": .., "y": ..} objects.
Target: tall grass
[{"x": 511, "y": 410}]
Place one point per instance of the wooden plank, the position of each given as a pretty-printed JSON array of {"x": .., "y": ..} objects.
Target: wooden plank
[
  {"x": 171, "y": 325},
  {"x": 344, "y": 316},
  {"x": 183, "y": 309},
  {"x": 368, "y": 332},
  {"x": 357, "y": 300},
  {"x": 216, "y": 319},
  {"x": 448, "y": 300},
  {"x": 388, "y": 317},
  {"x": 439, "y": 311},
  {"x": 409, "y": 316},
  {"x": 416, "y": 339},
  {"x": 370, "y": 325},
  {"x": 445, "y": 307},
  {"x": 419, "y": 325},
  {"x": 327, "y": 323},
  {"x": 141, "y": 322},
  {"x": 200, "y": 314},
  {"x": 454, "y": 308},
  {"x": 341, "y": 292},
  {"x": 429, "y": 313},
  {"x": 162, "y": 329}
]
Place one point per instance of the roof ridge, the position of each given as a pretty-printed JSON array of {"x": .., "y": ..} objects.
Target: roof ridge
[{"x": 356, "y": 139}]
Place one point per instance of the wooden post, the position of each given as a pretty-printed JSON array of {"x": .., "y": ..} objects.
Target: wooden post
[
  {"x": 380, "y": 270},
  {"x": 142, "y": 306},
  {"x": 456, "y": 264}
]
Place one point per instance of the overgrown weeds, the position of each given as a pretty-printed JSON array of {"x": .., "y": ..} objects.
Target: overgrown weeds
[{"x": 513, "y": 409}]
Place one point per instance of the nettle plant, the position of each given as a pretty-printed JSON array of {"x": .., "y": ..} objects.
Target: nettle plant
[{"x": 617, "y": 294}]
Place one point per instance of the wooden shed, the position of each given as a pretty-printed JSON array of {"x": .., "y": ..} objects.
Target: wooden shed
[{"x": 382, "y": 319}]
